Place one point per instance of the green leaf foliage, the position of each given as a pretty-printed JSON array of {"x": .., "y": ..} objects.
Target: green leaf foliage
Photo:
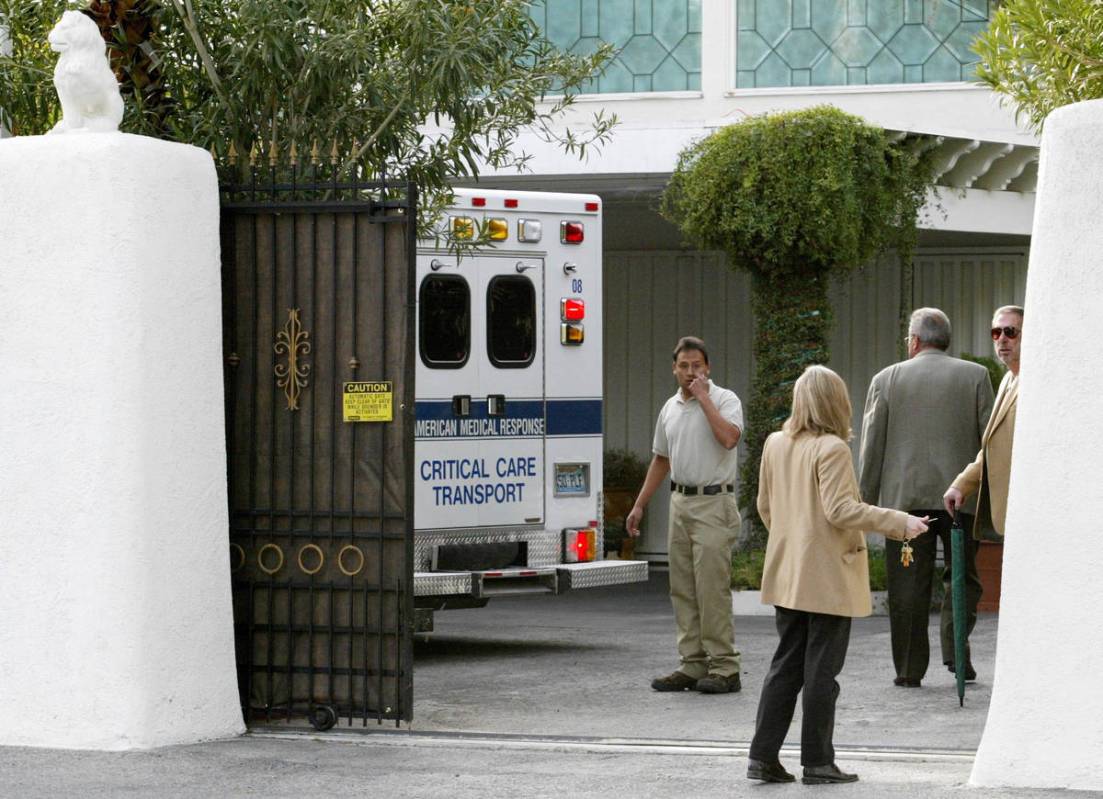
[
  {"x": 424, "y": 91},
  {"x": 996, "y": 369},
  {"x": 747, "y": 567},
  {"x": 622, "y": 468},
  {"x": 1043, "y": 54},
  {"x": 794, "y": 198}
]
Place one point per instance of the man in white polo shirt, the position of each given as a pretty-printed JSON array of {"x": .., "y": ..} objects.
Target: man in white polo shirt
[{"x": 695, "y": 439}]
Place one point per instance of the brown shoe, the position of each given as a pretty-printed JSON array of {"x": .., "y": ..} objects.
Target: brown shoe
[
  {"x": 676, "y": 681},
  {"x": 715, "y": 684}
]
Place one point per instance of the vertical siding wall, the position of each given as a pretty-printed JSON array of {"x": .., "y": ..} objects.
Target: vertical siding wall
[{"x": 652, "y": 298}]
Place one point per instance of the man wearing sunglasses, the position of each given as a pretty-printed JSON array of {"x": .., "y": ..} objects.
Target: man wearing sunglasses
[
  {"x": 990, "y": 473},
  {"x": 923, "y": 421}
]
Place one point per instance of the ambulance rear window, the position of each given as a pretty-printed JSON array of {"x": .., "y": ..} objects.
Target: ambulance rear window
[
  {"x": 511, "y": 321},
  {"x": 444, "y": 333}
]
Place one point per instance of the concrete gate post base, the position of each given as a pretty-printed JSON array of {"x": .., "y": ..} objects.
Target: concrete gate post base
[
  {"x": 1044, "y": 727},
  {"x": 117, "y": 628}
]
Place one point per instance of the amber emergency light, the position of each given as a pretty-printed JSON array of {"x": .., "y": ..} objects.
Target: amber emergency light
[{"x": 463, "y": 227}]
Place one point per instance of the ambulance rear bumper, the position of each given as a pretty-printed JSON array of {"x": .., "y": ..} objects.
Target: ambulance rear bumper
[{"x": 541, "y": 580}]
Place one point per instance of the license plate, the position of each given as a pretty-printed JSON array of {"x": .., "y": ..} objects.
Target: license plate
[{"x": 572, "y": 479}]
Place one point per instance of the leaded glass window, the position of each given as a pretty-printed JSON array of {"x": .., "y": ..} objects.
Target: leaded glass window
[{"x": 848, "y": 42}]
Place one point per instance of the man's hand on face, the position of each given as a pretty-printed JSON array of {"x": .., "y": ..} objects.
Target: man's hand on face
[{"x": 699, "y": 387}]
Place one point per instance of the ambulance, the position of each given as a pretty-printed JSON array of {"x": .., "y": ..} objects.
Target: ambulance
[{"x": 508, "y": 432}]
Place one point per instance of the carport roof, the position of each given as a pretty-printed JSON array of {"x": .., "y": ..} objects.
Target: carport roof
[{"x": 960, "y": 163}]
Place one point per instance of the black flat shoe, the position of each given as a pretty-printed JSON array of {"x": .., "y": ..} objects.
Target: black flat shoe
[
  {"x": 768, "y": 772},
  {"x": 823, "y": 775},
  {"x": 907, "y": 682}
]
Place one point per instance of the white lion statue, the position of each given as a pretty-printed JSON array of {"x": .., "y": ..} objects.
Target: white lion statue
[{"x": 89, "y": 93}]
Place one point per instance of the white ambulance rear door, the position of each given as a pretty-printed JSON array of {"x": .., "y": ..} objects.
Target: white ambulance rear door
[
  {"x": 450, "y": 335},
  {"x": 511, "y": 371}
]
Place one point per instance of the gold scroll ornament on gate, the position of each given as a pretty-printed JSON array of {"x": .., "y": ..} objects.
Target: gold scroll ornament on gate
[{"x": 293, "y": 342}]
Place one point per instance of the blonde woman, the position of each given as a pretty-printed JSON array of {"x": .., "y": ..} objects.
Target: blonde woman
[{"x": 816, "y": 573}]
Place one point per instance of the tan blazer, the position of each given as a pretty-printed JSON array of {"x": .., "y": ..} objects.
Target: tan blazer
[
  {"x": 990, "y": 473},
  {"x": 923, "y": 422},
  {"x": 816, "y": 554}
]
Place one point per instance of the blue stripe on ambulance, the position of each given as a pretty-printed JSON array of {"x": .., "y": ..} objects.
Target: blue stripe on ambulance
[{"x": 524, "y": 419}]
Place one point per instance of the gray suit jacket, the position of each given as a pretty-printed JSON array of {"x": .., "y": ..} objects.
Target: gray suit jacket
[{"x": 923, "y": 422}]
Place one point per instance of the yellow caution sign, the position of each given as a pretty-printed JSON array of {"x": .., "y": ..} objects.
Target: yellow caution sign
[{"x": 371, "y": 401}]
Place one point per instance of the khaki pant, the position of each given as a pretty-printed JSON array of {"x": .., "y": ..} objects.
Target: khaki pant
[{"x": 703, "y": 531}]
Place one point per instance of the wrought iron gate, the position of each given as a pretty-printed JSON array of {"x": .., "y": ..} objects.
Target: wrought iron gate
[{"x": 317, "y": 291}]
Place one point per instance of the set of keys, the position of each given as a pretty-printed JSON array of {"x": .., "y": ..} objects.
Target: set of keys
[{"x": 907, "y": 554}]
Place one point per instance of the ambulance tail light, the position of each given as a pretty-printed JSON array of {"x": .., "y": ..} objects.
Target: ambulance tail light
[
  {"x": 571, "y": 232},
  {"x": 572, "y": 310},
  {"x": 571, "y": 334},
  {"x": 463, "y": 227},
  {"x": 529, "y": 230},
  {"x": 579, "y": 544}
]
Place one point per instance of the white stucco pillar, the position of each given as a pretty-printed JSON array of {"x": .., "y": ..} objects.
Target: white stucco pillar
[
  {"x": 115, "y": 617},
  {"x": 1045, "y": 722}
]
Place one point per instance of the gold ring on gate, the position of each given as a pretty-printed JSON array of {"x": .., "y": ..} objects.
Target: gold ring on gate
[
  {"x": 260, "y": 559},
  {"x": 241, "y": 562},
  {"x": 341, "y": 560},
  {"x": 321, "y": 558}
]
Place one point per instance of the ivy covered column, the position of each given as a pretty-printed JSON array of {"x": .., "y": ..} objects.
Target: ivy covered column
[{"x": 794, "y": 199}]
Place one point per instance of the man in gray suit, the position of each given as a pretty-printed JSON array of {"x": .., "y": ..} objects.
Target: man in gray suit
[{"x": 923, "y": 422}]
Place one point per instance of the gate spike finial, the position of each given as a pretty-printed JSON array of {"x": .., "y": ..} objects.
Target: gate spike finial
[
  {"x": 232, "y": 154},
  {"x": 253, "y": 154},
  {"x": 314, "y": 155},
  {"x": 293, "y": 154},
  {"x": 273, "y": 154},
  {"x": 333, "y": 154}
]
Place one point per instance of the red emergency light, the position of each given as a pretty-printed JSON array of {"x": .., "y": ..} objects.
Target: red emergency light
[
  {"x": 592, "y": 206},
  {"x": 511, "y": 203},
  {"x": 579, "y": 545},
  {"x": 571, "y": 232},
  {"x": 478, "y": 202},
  {"x": 572, "y": 310}
]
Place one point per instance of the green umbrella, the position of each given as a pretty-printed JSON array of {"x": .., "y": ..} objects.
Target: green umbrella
[{"x": 957, "y": 596}]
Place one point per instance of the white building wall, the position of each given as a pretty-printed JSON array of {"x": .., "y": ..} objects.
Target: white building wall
[
  {"x": 1044, "y": 728},
  {"x": 117, "y": 626}
]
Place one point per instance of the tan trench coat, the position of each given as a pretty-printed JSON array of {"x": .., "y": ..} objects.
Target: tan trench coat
[
  {"x": 816, "y": 553},
  {"x": 990, "y": 473}
]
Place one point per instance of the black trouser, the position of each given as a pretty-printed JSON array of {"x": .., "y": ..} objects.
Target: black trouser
[
  {"x": 910, "y": 595},
  {"x": 809, "y": 656}
]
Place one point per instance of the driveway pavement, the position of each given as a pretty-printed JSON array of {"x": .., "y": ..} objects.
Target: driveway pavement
[
  {"x": 581, "y": 665},
  {"x": 549, "y": 697}
]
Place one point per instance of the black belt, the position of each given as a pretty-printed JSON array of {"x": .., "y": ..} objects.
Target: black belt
[{"x": 692, "y": 491}]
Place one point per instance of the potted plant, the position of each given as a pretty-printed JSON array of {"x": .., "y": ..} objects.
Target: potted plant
[{"x": 623, "y": 473}]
